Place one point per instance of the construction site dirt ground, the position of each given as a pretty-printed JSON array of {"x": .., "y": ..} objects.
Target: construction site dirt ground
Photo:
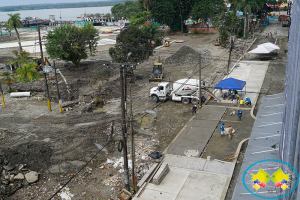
[{"x": 57, "y": 145}]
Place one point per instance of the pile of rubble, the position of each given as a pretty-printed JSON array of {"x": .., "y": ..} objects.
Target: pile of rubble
[{"x": 15, "y": 177}]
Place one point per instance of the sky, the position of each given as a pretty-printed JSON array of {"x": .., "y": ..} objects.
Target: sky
[{"x": 27, "y": 2}]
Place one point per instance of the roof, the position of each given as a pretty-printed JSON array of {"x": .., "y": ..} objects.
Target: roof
[
  {"x": 265, "y": 48},
  {"x": 147, "y": 22},
  {"x": 231, "y": 83}
]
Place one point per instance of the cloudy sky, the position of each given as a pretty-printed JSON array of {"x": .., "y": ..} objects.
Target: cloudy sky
[{"x": 27, "y": 2}]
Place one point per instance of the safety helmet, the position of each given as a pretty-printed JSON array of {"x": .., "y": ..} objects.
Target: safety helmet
[
  {"x": 238, "y": 109},
  {"x": 223, "y": 123},
  {"x": 229, "y": 125},
  {"x": 195, "y": 105}
]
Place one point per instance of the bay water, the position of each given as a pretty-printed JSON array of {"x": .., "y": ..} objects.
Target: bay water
[{"x": 66, "y": 14}]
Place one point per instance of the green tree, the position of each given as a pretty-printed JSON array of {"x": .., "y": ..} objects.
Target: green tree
[
  {"x": 130, "y": 40},
  {"x": 171, "y": 12},
  {"x": 153, "y": 34},
  {"x": 205, "y": 9},
  {"x": 107, "y": 16},
  {"x": 27, "y": 72},
  {"x": 125, "y": 10},
  {"x": 98, "y": 15},
  {"x": 19, "y": 58},
  {"x": 70, "y": 43},
  {"x": 8, "y": 79},
  {"x": 139, "y": 18},
  {"x": 14, "y": 22}
]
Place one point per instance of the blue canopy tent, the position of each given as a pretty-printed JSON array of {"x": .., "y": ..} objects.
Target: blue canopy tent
[{"x": 231, "y": 83}]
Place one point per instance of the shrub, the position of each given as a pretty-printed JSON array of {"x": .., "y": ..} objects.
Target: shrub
[
  {"x": 99, "y": 102},
  {"x": 10, "y": 90}
]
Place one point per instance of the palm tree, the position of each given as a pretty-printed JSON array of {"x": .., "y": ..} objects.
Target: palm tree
[
  {"x": 14, "y": 22},
  {"x": 26, "y": 72},
  {"x": 7, "y": 80}
]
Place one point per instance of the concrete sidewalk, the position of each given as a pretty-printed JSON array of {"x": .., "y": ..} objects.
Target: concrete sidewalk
[
  {"x": 191, "y": 178},
  {"x": 198, "y": 131},
  {"x": 253, "y": 72}
]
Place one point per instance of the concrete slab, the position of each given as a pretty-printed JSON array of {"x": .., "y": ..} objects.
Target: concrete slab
[
  {"x": 253, "y": 72},
  {"x": 184, "y": 162},
  {"x": 201, "y": 185},
  {"x": 210, "y": 113},
  {"x": 193, "y": 138},
  {"x": 155, "y": 195},
  {"x": 217, "y": 167},
  {"x": 173, "y": 181}
]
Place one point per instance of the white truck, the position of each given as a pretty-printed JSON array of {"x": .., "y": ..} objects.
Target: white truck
[{"x": 184, "y": 90}]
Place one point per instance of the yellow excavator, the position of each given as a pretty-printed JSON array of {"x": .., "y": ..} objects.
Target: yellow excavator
[
  {"x": 39, "y": 62},
  {"x": 167, "y": 42},
  {"x": 157, "y": 73}
]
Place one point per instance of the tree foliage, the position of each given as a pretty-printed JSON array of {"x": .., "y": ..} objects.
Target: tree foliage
[
  {"x": 27, "y": 72},
  {"x": 8, "y": 79},
  {"x": 130, "y": 40},
  {"x": 14, "y": 22},
  {"x": 171, "y": 12},
  {"x": 70, "y": 43},
  {"x": 153, "y": 34},
  {"x": 19, "y": 58},
  {"x": 205, "y": 9},
  {"x": 139, "y": 18},
  {"x": 125, "y": 10}
]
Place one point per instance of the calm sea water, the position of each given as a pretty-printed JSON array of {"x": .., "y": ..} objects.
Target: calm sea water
[{"x": 66, "y": 13}]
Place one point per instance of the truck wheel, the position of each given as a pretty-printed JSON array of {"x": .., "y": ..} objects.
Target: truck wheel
[
  {"x": 154, "y": 98},
  {"x": 185, "y": 101},
  {"x": 195, "y": 101}
]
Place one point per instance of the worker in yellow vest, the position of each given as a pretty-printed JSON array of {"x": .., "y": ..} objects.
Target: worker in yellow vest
[{"x": 242, "y": 102}]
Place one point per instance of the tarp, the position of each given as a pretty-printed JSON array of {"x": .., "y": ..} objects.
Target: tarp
[
  {"x": 265, "y": 48},
  {"x": 270, "y": 46},
  {"x": 231, "y": 83}
]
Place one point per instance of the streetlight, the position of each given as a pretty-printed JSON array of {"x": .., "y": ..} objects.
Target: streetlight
[{"x": 47, "y": 70}]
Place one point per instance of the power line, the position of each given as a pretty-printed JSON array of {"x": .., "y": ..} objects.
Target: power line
[{"x": 64, "y": 185}]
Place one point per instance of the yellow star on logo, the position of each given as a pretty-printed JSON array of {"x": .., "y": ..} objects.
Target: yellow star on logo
[
  {"x": 256, "y": 186},
  {"x": 284, "y": 186}
]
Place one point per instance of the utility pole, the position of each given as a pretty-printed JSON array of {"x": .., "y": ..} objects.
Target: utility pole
[
  {"x": 58, "y": 95},
  {"x": 48, "y": 96},
  {"x": 245, "y": 22},
  {"x": 132, "y": 145},
  {"x": 2, "y": 95},
  {"x": 40, "y": 40},
  {"x": 124, "y": 129},
  {"x": 200, "y": 103},
  {"x": 231, "y": 45}
]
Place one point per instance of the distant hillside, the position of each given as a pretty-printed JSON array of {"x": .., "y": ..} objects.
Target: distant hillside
[{"x": 60, "y": 5}]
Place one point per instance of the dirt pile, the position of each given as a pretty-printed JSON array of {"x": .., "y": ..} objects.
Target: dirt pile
[
  {"x": 16, "y": 164},
  {"x": 187, "y": 55},
  {"x": 36, "y": 155}
]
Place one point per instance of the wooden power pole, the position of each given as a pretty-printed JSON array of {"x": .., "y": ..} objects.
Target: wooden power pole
[
  {"x": 124, "y": 129},
  {"x": 40, "y": 41}
]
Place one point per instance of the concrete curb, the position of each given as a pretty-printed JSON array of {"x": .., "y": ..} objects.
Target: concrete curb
[{"x": 233, "y": 167}]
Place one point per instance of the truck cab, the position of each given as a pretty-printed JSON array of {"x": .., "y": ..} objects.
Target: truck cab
[{"x": 160, "y": 92}]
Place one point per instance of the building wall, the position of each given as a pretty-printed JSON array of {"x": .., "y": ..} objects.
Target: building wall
[{"x": 290, "y": 138}]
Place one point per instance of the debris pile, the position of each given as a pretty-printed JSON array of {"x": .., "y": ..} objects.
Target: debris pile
[{"x": 14, "y": 177}]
